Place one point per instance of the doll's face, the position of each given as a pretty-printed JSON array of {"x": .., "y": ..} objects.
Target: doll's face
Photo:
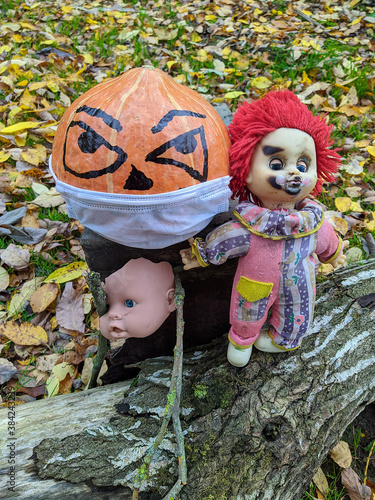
[
  {"x": 283, "y": 168},
  {"x": 140, "y": 297}
]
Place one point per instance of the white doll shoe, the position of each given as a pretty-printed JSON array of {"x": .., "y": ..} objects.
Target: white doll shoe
[
  {"x": 237, "y": 356},
  {"x": 264, "y": 343}
]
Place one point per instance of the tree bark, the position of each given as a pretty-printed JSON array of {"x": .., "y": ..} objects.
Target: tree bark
[{"x": 252, "y": 433}]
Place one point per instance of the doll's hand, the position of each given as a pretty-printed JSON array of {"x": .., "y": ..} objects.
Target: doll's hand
[
  {"x": 187, "y": 257},
  {"x": 341, "y": 259}
]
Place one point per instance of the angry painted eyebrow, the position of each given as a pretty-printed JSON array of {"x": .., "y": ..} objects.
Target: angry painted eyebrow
[
  {"x": 169, "y": 117},
  {"x": 271, "y": 150},
  {"x": 99, "y": 113}
]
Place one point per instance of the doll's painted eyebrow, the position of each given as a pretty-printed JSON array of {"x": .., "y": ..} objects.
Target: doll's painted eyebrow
[{"x": 271, "y": 150}]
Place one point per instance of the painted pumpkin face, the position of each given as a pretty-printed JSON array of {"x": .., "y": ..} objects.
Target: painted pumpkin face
[{"x": 140, "y": 133}]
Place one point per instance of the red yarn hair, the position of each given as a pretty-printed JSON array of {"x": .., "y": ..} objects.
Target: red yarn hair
[{"x": 277, "y": 109}]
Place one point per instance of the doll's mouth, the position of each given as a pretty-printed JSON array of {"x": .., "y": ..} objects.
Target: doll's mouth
[{"x": 293, "y": 186}]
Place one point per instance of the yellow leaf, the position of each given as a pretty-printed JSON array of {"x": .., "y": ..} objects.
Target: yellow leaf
[
  {"x": 353, "y": 3},
  {"x": 195, "y": 38},
  {"x": 67, "y": 273},
  {"x": 66, "y": 8},
  {"x": 369, "y": 225},
  {"x": 261, "y": 82},
  {"x": 17, "y": 38},
  {"x": 37, "y": 85},
  {"x": 5, "y": 48},
  {"x": 202, "y": 56},
  {"x": 13, "y": 112},
  {"x": 355, "y": 207},
  {"x": 305, "y": 78},
  {"x": 210, "y": 17},
  {"x": 43, "y": 297},
  {"x": 171, "y": 63},
  {"x": 4, "y": 155},
  {"x": 321, "y": 481},
  {"x": 47, "y": 42},
  {"x": 53, "y": 86},
  {"x": 180, "y": 79},
  {"x": 88, "y": 58},
  {"x": 4, "y": 279},
  {"x": 24, "y": 334},
  {"x": 233, "y": 95},
  {"x": 13, "y": 129},
  {"x": 371, "y": 150},
  {"x": 340, "y": 225},
  {"x": 59, "y": 372},
  {"x": 343, "y": 204},
  {"x": 36, "y": 155},
  {"x": 19, "y": 300},
  {"x": 23, "y": 83}
]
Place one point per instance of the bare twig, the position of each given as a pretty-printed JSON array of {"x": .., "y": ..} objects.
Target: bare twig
[
  {"x": 172, "y": 409},
  {"x": 99, "y": 297},
  {"x": 368, "y": 462}
]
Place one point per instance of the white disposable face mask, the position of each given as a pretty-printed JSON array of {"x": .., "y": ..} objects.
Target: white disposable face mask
[{"x": 151, "y": 221}]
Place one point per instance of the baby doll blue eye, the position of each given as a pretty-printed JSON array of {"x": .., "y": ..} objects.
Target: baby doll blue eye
[
  {"x": 301, "y": 168},
  {"x": 129, "y": 303}
]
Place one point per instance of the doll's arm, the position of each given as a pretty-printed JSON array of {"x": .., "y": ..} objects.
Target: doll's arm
[
  {"x": 230, "y": 240},
  {"x": 188, "y": 258},
  {"x": 340, "y": 260},
  {"x": 330, "y": 247}
]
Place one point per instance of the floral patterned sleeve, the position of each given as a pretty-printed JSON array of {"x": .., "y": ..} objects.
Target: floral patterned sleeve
[{"x": 228, "y": 241}]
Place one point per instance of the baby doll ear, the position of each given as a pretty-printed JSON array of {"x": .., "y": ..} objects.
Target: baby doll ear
[{"x": 170, "y": 300}]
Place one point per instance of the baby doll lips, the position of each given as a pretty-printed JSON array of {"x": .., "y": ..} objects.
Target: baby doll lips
[{"x": 293, "y": 186}]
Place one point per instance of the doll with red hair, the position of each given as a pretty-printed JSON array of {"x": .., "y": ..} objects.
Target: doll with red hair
[{"x": 280, "y": 153}]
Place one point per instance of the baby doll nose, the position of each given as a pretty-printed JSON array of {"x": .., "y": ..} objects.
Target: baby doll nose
[{"x": 113, "y": 314}]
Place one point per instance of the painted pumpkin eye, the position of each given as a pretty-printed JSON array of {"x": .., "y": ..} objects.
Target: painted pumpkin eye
[
  {"x": 276, "y": 164},
  {"x": 129, "y": 303},
  {"x": 184, "y": 144},
  {"x": 89, "y": 142}
]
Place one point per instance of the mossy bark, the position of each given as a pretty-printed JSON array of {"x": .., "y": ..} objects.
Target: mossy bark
[{"x": 252, "y": 433}]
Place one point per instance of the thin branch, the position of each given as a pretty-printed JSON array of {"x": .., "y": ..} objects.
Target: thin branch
[
  {"x": 368, "y": 462},
  {"x": 172, "y": 408},
  {"x": 99, "y": 297}
]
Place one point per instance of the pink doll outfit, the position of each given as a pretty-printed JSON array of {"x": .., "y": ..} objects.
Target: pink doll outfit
[{"x": 276, "y": 268}]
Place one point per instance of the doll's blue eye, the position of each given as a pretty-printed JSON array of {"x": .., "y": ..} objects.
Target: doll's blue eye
[
  {"x": 302, "y": 166},
  {"x": 129, "y": 303},
  {"x": 276, "y": 164}
]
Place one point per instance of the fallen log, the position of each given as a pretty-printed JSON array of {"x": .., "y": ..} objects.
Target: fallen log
[{"x": 252, "y": 433}]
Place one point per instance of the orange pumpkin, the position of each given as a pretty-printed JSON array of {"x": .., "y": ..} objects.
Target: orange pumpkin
[{"x": 140, "y": 133}]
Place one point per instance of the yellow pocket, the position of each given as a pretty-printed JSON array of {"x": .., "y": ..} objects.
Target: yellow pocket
[{"x": 252, "y": 290}]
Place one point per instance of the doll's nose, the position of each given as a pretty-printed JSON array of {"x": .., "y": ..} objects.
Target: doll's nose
[{"x": 113, "y": 314}]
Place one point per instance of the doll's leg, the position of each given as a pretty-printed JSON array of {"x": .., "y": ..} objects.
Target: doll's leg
[
  {"x": 289, "y": 322},
  {"x": 246, "y": 324}
]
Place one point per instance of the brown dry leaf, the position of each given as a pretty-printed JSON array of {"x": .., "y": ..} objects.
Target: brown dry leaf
[
  {"x": 72, "y": 357},
  {"x": 66, "y": 384},
  {"x": 320, "y": 495},
  {"x": 69, "y": 310},
  {"x": 354, "y": 486},
  {"x": 341, "y": 454},
  {"x": 43, "y": 297},
  {"x": 46, "y": 363},
  {"x": 321, "y": 482},
  {"x": 16, "y": 257},
  {"x": 24, "y": 334}
]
